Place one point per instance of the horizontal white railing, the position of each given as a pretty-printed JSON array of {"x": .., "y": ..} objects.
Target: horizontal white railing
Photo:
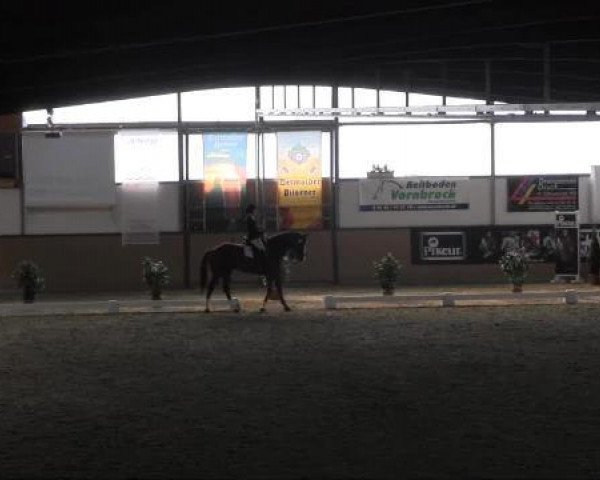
[
  {"x": 113, "y": 306},
  {"x": 449, "y": 299}
]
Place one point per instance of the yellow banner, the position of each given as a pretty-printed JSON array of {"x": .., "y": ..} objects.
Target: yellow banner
[{"x": 299, "y": 169}]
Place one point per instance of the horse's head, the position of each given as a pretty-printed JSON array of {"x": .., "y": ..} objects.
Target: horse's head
[{"x": 297, "y": 247}]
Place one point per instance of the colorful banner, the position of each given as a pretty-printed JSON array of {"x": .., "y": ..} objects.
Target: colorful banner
[
  {"x": 299, "y": 179},
  {"x": 407, "y": 194},
  {"x": 543, "y": 194},
  {"x": 224, "y": 169}
]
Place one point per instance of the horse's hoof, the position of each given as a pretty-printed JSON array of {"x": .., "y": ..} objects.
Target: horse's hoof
[
  {"x": 236, "y": 310},
  {"x": 262, "y": 310},
  {"x": 287, "y": 309},
  {"x": 206, "y": 310}
]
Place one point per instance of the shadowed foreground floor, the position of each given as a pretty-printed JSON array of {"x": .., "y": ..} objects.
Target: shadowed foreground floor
[{"x": 469, "y": 392}]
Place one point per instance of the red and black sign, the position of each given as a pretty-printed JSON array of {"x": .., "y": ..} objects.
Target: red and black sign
[{"x": 543, "y": 194}]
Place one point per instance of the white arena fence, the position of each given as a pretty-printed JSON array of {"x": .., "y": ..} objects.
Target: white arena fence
[
  {"x": 449, "y": 299},
  {"x": 115, "y": 306}
]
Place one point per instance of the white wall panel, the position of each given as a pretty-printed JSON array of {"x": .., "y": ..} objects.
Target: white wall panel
[
  {"x": 76, "y": 170},
  {"x": 10, "y": 211},
  {"x": 81, "y": 221}
]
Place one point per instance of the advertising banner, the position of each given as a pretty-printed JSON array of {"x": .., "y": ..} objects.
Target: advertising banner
[
  {"x": 475, "y": 245},
  {"x": 442, "y": 246},
  {"x": 487, "y": 245},
  {"x": 224, "y": 168},
  {"x": 224, "y": 178},
  {"x": 410, "y": 194},
  {"x": 567, "y": 244},
  {"x": 543, "y": 194},
  {"x": 299, "y": 179}
]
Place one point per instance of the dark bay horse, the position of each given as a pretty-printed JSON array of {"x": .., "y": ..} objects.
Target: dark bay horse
[{"x": 227, "y": 257}]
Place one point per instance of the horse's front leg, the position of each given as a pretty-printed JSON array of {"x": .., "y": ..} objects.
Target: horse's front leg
[
  {"x": 278, "y": 284},
  {"x": 267, "y": 295},
  {"x": 211, "y": 286}
]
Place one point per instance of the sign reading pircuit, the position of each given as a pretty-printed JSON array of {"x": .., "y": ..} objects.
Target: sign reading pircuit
[
  {"x": 442, "y": 246},
  {"x": 409, "y": 194}
]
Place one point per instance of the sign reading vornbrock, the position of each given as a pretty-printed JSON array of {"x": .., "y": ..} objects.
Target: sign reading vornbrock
[
  {"x": 442, "y": 246},
  {"x": 406, "y": 194}
]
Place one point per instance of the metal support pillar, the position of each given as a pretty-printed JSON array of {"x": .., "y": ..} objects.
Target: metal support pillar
[
  {"x": 183, "y": 194},
  {"x": 547, "y": 74},
  {"x": 334, "y": 182},
  {"x": 493, "y": 173},
  {"x": 444, "y": 82},
  {"x": 488, "y": 82}
]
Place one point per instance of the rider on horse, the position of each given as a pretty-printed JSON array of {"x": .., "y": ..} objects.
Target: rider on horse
[{"x": 254, "y": 237}]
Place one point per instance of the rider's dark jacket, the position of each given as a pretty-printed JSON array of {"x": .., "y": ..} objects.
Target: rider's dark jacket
[{"x": 251, "y": 228}]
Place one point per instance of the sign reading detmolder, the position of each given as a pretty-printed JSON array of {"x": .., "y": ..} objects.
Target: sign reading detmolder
[
  {"x": 543, "y": 194},
  {"x": 409, "y": 194},
  {"x": 443, "y": 246}
]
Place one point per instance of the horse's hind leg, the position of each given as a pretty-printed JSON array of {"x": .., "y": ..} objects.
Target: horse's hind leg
[
  {"x": 211, "y": 286},
  {"x": 267, "y": 295},
  {"x": 286, "y": 307}
]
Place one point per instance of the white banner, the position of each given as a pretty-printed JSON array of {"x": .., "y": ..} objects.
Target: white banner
[
  {"x": 139, "y": 213},
  {"x": 73, "y": 171},
  {"x": 413, "y": 193}
]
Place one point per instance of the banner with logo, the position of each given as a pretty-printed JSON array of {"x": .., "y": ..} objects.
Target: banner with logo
[
  {"x": 543, "y": 193},
  {"x": 413, "y": 193},
  {"x": 476, "y": 245},
  {"x": 442, "y": 246},
  {"x": 224, "y": 169},
  {"x": 299, "y": 179}
]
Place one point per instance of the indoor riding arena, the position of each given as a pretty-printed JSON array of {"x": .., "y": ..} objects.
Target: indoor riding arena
[{"x": 303, "y": 241}]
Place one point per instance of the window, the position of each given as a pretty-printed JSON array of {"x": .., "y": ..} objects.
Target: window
[
  {"x": 416, "y": 99},
  {"x": 365, "y": 97},
  {"x": 546, "y": 148},
  {"x": 219, "y": 105},
  {"x": 161, "y": 108},
  {"x": 464, "y": 101},
  {"x": 420, "y": 150},
  {"x": 389, "y": 98}
]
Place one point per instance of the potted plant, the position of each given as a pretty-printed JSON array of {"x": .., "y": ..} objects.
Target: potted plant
[
  {"x": 387, "y": 271},
  {"x": 29, "y": 278},
  {"x": 156, "y": 276},
  {"x": 514, "y": 265}
]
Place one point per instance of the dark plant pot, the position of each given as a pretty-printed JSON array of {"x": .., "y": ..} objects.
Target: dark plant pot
[
  {"x": 388, "y": 289},
  {"x": 517, "y": 288},
  {"x": 28, "y": 294},
  {"x": 594, "y": 279},
  {"x": 156, "y": 294}
]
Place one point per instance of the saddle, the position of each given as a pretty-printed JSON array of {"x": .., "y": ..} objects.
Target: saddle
[{"x": 249, "y": 249}]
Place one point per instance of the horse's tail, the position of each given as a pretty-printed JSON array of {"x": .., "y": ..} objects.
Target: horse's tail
[{"x": 204, "y": 270}]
